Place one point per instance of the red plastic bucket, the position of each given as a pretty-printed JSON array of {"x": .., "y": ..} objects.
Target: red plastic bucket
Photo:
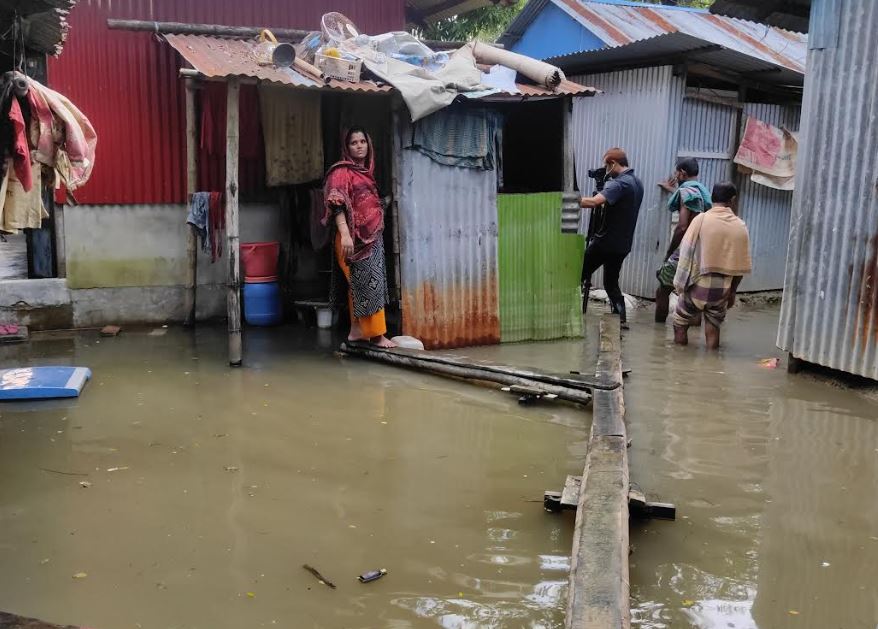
[{"x": 259, "y": 259}]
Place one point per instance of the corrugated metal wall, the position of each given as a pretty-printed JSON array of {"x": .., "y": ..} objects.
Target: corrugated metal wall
[
  {"x": 540, "y": 270},
  {"x": 448, "y": 253},
  {"x": 128, "y": 86},
  {"x": 830, "y": 307},
  {"x": 707, "y": 132},
  {"x": 639, "y": 111}
]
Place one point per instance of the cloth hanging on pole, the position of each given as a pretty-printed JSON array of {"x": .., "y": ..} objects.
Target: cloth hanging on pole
[
  {"x": 199, "y": 211},
  {"x": 769, "y": 154},
  {"x": 291, "y": 121},
  {"x": 23, "y": 209},
  {"x": 20, "y": 152},
  {"x": 466, "y": 138},
  {"x": 74, "y": 136}
]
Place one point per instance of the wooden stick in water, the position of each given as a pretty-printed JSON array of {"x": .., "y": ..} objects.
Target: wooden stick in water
[{"x": 319, "y": 576}]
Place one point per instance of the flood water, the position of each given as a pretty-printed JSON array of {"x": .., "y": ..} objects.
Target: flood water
[{"x": 209, "y": 487}]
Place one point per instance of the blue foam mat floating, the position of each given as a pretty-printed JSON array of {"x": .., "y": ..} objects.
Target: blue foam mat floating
[{"x": 36, "y": 383}]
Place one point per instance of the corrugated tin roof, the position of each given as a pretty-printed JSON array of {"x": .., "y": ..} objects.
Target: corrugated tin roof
[
  {"x": 623, "y": 24},
  {"x": 789, "y": 14},
  {"x": 662, "y": 47},
  {"x": 216, "y": 57},
  {"x": 44, "y": 22}
]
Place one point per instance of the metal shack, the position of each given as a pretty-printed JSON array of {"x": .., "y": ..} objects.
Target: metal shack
[
  {"x": 830, "y": 309},
  {"x": 677, "y": 82},
  {"x": 476, "y": 255}
]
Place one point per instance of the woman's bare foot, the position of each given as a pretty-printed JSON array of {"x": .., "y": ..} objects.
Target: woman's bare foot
[
  {"x": 356, "y": 334},
  {"x": 382, "y": 341}
]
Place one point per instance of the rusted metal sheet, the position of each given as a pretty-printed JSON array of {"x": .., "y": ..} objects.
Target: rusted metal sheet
[
  {"x": 128, "y": 83},
  {"x": 217, "y": 57},
  {"x": 830, "y": 307},
  {"x": 618, "y": 25},
  {"x": 448, "y": 253}
]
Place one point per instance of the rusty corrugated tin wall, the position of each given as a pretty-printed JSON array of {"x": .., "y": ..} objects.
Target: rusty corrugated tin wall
[
  {"x": 830, "y": 307},
  {"x": 448, "y": 253},
  {"x": 128, "y": 86}
]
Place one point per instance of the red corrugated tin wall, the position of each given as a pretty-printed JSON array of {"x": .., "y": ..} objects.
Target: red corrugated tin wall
[{"x": 127, "y": 83}]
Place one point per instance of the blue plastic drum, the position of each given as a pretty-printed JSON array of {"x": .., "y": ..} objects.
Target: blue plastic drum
[{"x": 262, "y": 304}]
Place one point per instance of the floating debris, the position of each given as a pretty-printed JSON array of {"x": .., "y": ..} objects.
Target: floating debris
[{"x": 319, "y": 576}]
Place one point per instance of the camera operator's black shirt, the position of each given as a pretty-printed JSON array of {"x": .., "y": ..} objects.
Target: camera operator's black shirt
[{"x": 624, "y": 194}]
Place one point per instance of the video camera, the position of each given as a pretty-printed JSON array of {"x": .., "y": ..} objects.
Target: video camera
[{"x": 600, "y": 178}]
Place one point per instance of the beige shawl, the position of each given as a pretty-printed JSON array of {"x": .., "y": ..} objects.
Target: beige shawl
[{"x": 717, "y": 241}]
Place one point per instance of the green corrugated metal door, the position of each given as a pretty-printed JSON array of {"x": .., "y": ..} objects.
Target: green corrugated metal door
[{"x": 539, "y": 269}]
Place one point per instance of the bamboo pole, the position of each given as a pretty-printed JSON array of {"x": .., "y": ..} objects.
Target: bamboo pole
[
  {"x": 191, "y": 185},
  {"x": 243, "y": 32},
  {"x": 466, "y": 370},
  {"x": 233, "y": 297}
]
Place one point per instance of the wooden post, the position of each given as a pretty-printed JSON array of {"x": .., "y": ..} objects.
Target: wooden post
[
  {"x": 396, "y": 174},
  {"x": 191, "y": 185},
  {"x": 567, "y": 121},
  {"x": 233, "y": 297}
]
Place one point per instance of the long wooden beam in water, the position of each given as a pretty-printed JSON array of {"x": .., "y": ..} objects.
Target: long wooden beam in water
[
  {"x": 571, "y": 388},
  {"x": 599, "y": 595},
  {"x": 11, "y": 621}
]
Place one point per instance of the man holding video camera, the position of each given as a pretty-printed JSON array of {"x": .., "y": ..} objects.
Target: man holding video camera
[{"x": 616, "y": 205}]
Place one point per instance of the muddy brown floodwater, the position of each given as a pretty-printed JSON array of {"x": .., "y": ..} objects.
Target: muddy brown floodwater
[{"x": 209, "y": 487}]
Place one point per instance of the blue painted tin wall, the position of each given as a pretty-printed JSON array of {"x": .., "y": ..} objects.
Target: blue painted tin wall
[{"x": 554, "y": 33}]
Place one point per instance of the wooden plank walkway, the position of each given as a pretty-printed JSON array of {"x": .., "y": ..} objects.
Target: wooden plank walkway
[{"x": 599, "y": 583}]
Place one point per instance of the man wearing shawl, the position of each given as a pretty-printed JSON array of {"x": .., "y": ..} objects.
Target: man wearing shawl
[
  {"x": 689, "y": 198},
  {"x": 354, "y": 207},
  {"x": 714, "y": 257}
]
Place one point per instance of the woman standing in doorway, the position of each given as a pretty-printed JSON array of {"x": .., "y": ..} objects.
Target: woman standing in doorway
[{"x": 353, "y": 205}]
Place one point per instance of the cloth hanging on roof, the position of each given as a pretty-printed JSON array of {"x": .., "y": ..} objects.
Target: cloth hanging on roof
[
  {"x": 291, "y": 121},
  {"x": 20, "y": 152},
  {"x": 424, "y": 92},
  {"x": 466, "y": 138},
  {"x": 769, "y": 155},
  {"x": 23, "y": 209},
  {"x": 74, "y": 137}
]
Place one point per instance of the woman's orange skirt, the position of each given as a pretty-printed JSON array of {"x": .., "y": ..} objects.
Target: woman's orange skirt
[{"x": 371, "y": 326}]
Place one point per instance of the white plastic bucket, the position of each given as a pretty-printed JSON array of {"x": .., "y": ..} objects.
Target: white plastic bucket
[{"x": 324, "y": 318}]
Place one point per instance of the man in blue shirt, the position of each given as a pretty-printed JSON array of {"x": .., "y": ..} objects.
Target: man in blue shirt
[
  {"x": 611, "y": 243},
  {"x": 689, "y": 197}
]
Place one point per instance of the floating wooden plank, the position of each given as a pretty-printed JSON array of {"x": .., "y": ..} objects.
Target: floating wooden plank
[
  {"x": 599, "y": 594},
  {"x": 570, "y": 495},
  {"x": 11, "y": 621},
  {"x": 461, "y": 368}
]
